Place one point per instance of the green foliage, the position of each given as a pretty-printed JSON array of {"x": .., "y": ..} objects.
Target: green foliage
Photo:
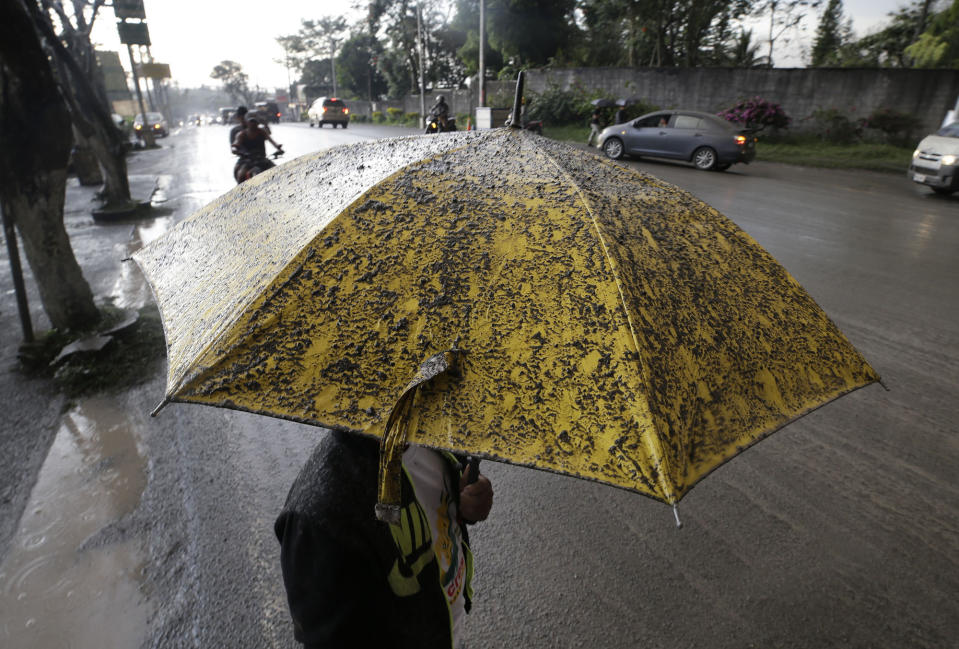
[
  {"x": 833, "y": 125},
  {"x": 896, "y": 126},
  {"x": 356, "y": 75},
  {"x": 938, "y": 45},
  {"x": 558, "y": 106},
  {"x": 393, "y": 114},
  {"x": 377, "y": 117},
  {"x": 829, "y": 36},
  {"x": 887, "y": 47},
  {"x": 411, "y": 119}
]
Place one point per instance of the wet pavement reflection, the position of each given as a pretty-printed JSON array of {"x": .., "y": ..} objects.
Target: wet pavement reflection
[{"x": 62, "y": 584}]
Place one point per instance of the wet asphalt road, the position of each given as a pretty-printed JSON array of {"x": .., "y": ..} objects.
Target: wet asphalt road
[{"x": 839, "y": 531}]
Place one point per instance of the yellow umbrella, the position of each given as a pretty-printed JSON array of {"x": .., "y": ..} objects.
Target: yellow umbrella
[{"x": 499, "y": 294}]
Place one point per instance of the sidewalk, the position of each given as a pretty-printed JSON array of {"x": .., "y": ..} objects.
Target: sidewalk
[{"x": 34, "y": 406}]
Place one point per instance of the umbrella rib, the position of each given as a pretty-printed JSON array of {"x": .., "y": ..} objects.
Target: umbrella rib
[{"x": 654, "y": 445}]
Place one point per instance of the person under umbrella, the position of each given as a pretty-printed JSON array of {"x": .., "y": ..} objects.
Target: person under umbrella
[{"x": 346, "y": 583}]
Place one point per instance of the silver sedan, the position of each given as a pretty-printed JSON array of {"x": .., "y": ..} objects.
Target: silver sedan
[{"x": 707, "y": 141}]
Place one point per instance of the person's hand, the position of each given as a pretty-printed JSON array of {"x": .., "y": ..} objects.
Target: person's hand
[{"x": 476, "y": 499}]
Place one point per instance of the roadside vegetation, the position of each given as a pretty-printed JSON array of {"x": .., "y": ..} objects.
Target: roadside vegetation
[
  {"x": 128, "y": 356},
  {"x": 883, "y": 141}
]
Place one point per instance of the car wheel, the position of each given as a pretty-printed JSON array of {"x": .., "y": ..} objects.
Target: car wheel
[
  {"x": 704, "y": 158},
  {"x": 943, "y": 191},
  {"x": 312, "y": 124},
  {"x": 345, "y": 124},
  {"x": 613, "y": 148}
]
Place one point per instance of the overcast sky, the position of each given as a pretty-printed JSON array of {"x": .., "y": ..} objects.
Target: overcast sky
[{"x": 194, "y": 35}]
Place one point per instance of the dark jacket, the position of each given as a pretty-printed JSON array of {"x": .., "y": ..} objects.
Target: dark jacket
[{"x": 338, "y": 560}]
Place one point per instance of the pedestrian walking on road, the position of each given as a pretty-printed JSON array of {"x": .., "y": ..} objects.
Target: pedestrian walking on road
[
  {"x": 593, "y": 129},
  {"x": 353, "y": 581}
]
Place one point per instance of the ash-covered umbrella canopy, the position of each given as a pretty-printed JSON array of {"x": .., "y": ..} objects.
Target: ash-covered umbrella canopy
[{"x": 610, "y": 326}]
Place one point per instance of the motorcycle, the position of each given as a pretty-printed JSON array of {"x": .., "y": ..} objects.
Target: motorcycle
[
  {"x": 433, "y": 124},
  {"x": 254, "y": 164}
]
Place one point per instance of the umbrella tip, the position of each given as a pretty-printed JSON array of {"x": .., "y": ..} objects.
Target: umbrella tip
[
  {"x": 679, "y": 523},
  {"x": 157, "y": 410}
]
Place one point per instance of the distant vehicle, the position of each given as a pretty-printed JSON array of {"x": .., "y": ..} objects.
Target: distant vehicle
[
  {"x": 709, "y": 142},
  {"x": 157, "y": 124},
  {"x": 935, "y": 162},
  {"x": 268, "y": 110},
  {"x": 226, "y": 114},
  {"x": 329, "y": 110}
]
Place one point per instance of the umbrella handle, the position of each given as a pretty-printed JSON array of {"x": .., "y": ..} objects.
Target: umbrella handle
[
  {"x": 389, "y": 488},
  {"x": 514, "y": 120}
]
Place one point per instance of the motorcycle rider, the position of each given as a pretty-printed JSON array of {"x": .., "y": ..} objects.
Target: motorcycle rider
[
  {"x": 250, "y": 145},
  {"x": 440, "y": 111},
  {"x": 240, "y": 118}
]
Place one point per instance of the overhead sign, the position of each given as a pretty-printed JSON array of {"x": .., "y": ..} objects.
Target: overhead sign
[
  {"x": 134, "y": 33},
  {"x": 129, "y": 9},
  {"x": 155, "y": 70}
]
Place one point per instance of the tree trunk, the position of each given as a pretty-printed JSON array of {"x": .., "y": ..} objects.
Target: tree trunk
[
  {"x": 90, "y": 116},
  {"x": 84, "y": 162},
  {"x": 35, "y": 129}
]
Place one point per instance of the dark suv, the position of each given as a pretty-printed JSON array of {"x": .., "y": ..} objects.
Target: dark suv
[{"x": 268, "y": 110}]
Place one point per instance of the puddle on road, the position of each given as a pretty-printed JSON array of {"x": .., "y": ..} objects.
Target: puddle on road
[
  {"x": 130, "y": 290},
  {"x": 52, "y": 593}
]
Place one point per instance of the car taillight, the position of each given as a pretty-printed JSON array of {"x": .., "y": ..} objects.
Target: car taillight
[
  {"x": 324, "y": 109},
  {"x": 740, "y": 140},
  {"x": 346, "y": 111},
  {"x": 277, "y": 114}
]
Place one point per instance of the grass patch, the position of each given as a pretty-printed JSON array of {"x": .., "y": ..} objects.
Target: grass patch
[
  {"x": 130, "y": 358},
  {"x": 876, "y": 157},
  {"x": 567, "y": 132}
]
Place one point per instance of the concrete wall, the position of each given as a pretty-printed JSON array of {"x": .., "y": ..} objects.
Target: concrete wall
[{"x": 927, "y": 94}]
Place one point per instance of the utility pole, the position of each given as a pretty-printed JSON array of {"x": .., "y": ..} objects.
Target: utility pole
[
  {"x": 333, "y": 63},
  {"x": 482, "y": 53},
  {"x": 419, "y": 39},
  {"x": 13, "y": 252},
  {"x": 147, "y": 131}
]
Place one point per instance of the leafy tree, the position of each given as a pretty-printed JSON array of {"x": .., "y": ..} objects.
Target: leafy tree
[
  {"x": 235, "y": 80},
  {"x": 938, "y": 45},
  {"x": 316, "y": 40},
  {"x": 829, "y": 36},
  {"x": 887, "y": 47},
  {"x": 784, "y": 16},
  {"x": 36, "y": 134},
  {"x": 356, "y": 67},
  {"x": 744, "y": 53},
  {"x": 659, "y": 32}
]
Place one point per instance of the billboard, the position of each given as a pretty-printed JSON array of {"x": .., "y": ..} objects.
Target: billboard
[
  {"x": 134, "y": 33},
  {"x": 155, "y": 70},
  {"x": 129, "y": 9}
]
